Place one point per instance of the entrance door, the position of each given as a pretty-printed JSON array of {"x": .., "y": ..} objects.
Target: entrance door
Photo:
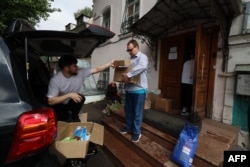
[
  {"x": 170, "y": 69},
  {"x": 173, "y": 51},
  {"x": 202, "y": 54}
]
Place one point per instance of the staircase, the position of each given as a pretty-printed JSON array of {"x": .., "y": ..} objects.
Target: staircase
[{"x": 155, "y": 146}]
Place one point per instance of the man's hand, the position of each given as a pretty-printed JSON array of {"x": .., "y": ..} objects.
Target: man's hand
[
  {"x": 113, "y": 63},
  {"x": 76, "y": 97},
  {"x": 125, "y": 78}
]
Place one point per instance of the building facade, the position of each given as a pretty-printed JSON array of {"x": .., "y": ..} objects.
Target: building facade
[{"x": 215, "y": 32}]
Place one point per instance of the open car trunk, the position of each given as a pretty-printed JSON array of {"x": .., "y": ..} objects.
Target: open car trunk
[
  {"x": 57, "y": 43},
  {"x": 34, "y": 48}
]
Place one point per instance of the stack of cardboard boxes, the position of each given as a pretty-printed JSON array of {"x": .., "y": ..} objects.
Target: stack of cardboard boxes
[{"x": 159, "y": 103}]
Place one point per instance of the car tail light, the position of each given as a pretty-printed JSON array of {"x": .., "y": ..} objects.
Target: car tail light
[{"x": 35, "y": 131}]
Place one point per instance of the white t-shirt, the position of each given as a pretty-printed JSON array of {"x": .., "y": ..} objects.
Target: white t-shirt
[
  {"x": 188, "y": 72},
  {"x": 59, "y": 85}
]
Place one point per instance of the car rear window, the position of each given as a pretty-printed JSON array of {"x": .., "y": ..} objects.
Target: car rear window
[{"x": 7, "y": 86}]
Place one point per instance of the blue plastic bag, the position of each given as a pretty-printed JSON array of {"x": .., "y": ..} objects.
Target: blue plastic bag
[
  {"x": 186, "y": 146},
  {"x": 81, "y": 133}
]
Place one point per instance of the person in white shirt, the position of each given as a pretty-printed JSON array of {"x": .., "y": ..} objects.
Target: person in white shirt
[{"x": 187, "y": 86}]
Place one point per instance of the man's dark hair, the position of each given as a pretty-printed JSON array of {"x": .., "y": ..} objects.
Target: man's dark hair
[{"x": 66, "y": 61}]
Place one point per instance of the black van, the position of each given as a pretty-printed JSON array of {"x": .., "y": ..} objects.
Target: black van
[{"x": 27, "y": 125}]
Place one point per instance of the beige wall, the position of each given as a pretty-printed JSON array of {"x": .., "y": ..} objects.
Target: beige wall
[
  {"x": 239, "y": 53},
  {"x": 116, "y": 47}
]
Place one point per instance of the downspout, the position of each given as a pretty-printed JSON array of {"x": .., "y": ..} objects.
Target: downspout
[{"x": 225, "y": 24}]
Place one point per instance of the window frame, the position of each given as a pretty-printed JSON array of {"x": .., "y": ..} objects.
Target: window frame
[
  {"x": 106, "y": 18},
  {"x": 131, "y": 14}
]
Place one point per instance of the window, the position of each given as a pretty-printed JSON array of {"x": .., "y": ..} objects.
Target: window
[
  {"x": 131, "y": 14},
  {"x": 133, "y": 10},
  {"x": 103, "y": 80},
  {"x": 106, "y": 18},
  {"x": 89, "y": 86},
  {"x": 246, "y": 22}
]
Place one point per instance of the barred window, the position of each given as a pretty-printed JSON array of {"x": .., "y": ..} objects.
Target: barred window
[{"x": 131, "y": 14}]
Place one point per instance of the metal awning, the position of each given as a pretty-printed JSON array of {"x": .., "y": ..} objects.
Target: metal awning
[{"x": 169, "y": 16}]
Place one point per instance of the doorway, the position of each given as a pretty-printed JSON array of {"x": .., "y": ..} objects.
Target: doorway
[
  {"x": 175, "y": 50},
  {"x": 187, "y": 76}
]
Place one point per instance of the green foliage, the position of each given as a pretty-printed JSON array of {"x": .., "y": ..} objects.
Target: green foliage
[
  {"x": 87, "y": 11},
  {"x": 31, "y": 10},
  {"x": 115, "y": 107}
]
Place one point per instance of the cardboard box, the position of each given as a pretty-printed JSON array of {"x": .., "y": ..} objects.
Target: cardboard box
[
  {"x": 122, "y": 63},
  {"x": 123, "y": 67},
  {"x": 147, "y": 104},
  {"x": 124, "y": 70},
  {"x": 151, "y": 96},
  {"x": 163, "y": 104},
  {"x": 75, "y": 149}
]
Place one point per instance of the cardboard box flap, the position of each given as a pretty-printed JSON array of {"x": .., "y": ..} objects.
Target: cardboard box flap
[
  {"x": 68, "y": 149},
  {"x": 97, "y": 135},
  {"x": 61, "y": 126},
  {"x": 83, "y": 117},
  {"x": 122, "y": 63},
  {"x": 118, "y": 75}
]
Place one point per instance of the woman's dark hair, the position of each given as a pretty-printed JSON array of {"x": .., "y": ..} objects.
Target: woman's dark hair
[{"x": 66, "y": 61}]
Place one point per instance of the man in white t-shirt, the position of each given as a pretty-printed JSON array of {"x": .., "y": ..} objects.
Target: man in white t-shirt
[
  {"x": 64, "y": 91},
  {"x": 187, "y": 86}
]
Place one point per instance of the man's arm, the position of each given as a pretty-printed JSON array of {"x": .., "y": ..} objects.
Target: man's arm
[
  {"x": 102, "y": 67},
  {"x": 60, "y": 99},
  {"x": 140, "y": 67}
]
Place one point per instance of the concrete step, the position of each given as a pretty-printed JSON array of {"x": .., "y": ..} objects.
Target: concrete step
[
  {"x": 120, "y": 154},
  {"x": 155, "y": 134},
  {"x": 154, "y": 153},
  {"x": 214, "y": 139}
]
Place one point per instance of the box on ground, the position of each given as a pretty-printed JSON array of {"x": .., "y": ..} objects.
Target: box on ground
[
  {"x": 163, "y": 104},
  {"x": 123, "y": 67},
  {"x": 151, "y": 96},
  {"x": 147, "y": 104},
  {"x": 75, "y": 149}
]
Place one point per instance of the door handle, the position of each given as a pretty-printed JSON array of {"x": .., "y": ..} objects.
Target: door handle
[{"x": 202, "y": 66}]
